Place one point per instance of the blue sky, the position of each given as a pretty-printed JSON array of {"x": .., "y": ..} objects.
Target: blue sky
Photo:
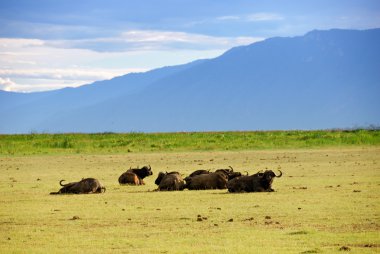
[{"x": 50, "y": 44}]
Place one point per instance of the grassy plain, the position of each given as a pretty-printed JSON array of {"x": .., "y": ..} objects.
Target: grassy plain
[
  {"x": 328, "y": 198},
  {"x": 112, "y": 143}
]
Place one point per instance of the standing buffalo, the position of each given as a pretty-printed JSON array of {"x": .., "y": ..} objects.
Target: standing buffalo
[
  {"x": 85, "y": 186},
  {"x": 135, "y": 176},
  {"x": 170, "y": 181},
  {"x": 259, "y": 182}
]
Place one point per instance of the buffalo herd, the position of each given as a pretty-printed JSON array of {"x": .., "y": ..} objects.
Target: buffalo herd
[{"x": 173, "y": 181}]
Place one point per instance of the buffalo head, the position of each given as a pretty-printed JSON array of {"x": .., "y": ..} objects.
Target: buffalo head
[
  {"x": 147, "y": 170},
  {"x": 160, "y": 176}
]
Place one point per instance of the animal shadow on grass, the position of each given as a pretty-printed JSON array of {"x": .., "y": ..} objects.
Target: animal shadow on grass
[
  {"x": 239, "y": 193},
  {"x": 298, "y": 233},
  {"x": 141, "y": 191},
  {"x": 220, "y": 193},
  {"x": 311, "y": 251}
]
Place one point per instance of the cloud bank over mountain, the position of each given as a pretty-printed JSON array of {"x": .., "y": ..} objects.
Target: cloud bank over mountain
[
  {"x": 324, "y": 79},
  {"x": 47, "y": 45}
]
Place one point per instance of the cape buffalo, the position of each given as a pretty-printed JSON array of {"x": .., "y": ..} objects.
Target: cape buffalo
[
  {"x": 135, "y": 176},
  {"x": 85, "y": 186},
  {"x": 229, "y": 173},
  {"x": 170, "y": 181},
  {"x": 259, "y": 182},
  {"x": 206, "y": 181},
  {"x": 199, "y": 172}
]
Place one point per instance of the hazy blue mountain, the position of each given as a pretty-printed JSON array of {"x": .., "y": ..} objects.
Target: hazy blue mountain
[
  {"x": 24, "y": 112},
  {"x": 324, "y": 79}
]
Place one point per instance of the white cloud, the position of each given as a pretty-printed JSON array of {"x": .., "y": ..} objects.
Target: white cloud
[
  {"x": 188, "y": 39},
  {"x": 65, "y": 74},
  {"x": 231, "y": 17},
  {"x": 259, "y": 17},
  {"x": 6, "y": 84},
  {"x": 149, "y": 40},
  {"x": 10, "y": 43},
  {"x": 35, "y": 65},
  {"x": 30, "y": 80},
  {"x": 35, "y": 85},
  {"x": 254, "y": 17},
  {"x": 264, "y": 16},
  {"x": 132, "y": 40}
]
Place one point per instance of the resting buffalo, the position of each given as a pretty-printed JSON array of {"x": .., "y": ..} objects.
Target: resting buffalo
[
  {"x": 85, "y": 186},
  {"x": 170, "y": 181},
  {"x": 206, "y": 181},
  {"x": 199, "y": 172},
  {"x": 229, "y": 173},
  {"x": 135, "y": 176},
  {"x": 259, "y": 182}
]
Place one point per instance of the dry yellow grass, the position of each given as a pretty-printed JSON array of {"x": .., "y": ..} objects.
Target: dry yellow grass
[{"x": 327, "y": 199}]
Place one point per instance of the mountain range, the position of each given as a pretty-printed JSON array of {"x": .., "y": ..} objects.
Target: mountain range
[{"x": 321, "y": 80}]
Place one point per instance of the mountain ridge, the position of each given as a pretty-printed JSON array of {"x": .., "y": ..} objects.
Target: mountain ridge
[{"x": 324, "y": 79}]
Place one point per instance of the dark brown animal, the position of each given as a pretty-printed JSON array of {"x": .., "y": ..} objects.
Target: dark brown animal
[
  {"x": 229, "y": 173},
  {"x": 199, "y": 172},
  {"x": 206, "y": 181},
  {"x": 259, "y": 182},
  {"x": 170, "y": 181},
  {"x": 130, "y": 178},
  {"x": 85, "y": 186},
  {"x": 135, "y": 176}
]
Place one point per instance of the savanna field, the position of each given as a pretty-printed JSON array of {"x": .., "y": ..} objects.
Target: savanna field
[{"x": 327, "y": 200}]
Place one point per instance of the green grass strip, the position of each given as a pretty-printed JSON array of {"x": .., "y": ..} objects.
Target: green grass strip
[{"x": 110, "y": 143}]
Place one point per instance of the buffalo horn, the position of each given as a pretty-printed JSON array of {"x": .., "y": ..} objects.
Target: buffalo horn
[{"x": 279, "y": 174}]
